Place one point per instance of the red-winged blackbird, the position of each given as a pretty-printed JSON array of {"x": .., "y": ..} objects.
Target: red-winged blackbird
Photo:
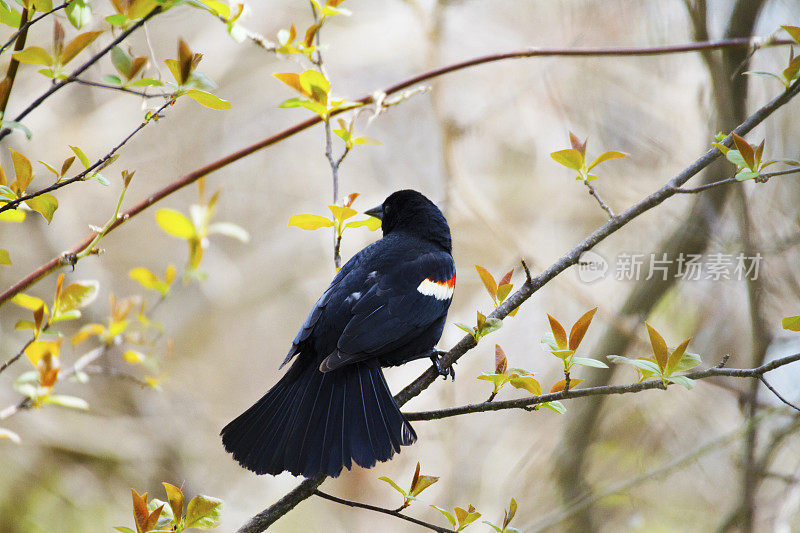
[{"x": 385, "y": 307}]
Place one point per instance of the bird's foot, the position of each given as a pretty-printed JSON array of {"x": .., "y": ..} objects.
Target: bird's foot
[{"x": 436, "y": 357}]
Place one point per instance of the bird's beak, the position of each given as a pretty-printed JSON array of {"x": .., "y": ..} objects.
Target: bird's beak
[{"x": 376, "y": 212}]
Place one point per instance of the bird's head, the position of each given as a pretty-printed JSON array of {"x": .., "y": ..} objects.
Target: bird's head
[{"x": 411, "y": 212}]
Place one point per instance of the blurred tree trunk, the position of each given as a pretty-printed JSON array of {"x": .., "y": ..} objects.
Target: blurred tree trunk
[{"x": 692, "y": 237}]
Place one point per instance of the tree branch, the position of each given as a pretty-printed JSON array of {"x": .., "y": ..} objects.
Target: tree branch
[
  {"x": 606, "y": 390},
  {"x": 99, "y": 164},
  {"x": 593, "y": 192},
  {"x": 261, "y": 521},
  {"x": 763, "y": 178},
  {"x": 117, "y": 88},
  {"x": 778, "y": 394},
  {"x": 67, "y": 256},
  {"x": 25, "y": 25},
  {"x": 11, "y": 74},
  {"x": 77, "y": 72},
  {"x": 390, "y": 512}
]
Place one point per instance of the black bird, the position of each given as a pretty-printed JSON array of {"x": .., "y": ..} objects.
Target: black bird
[{"x": 385, "y": 307}]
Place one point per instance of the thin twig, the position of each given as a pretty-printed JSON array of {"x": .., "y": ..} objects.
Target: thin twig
[
  {"x": 762, "y": 179},
  {"x": 118, "y": 88},
  {"x": 24, "y": 26},
  {"x": 600, "y": 201},
  {"x": 390, "y": 512},
  {"x": 605, "y": 390},
  {"x": 97, "y": 165},
  {"x": 778, "y": 394},
  {"x": 15, "y": 358},
  {"x": 80, "y": 70}
]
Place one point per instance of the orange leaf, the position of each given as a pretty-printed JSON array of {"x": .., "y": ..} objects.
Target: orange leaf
[
  {"x": 579, "y": 329},
  {"x": 558, "y": 386},
  {"x": 140, "y": 513},
  {"x": 505, "y": 280},
  {"x": 500, "y": 360},
  {"x": 577, "y": 144},
  {"x": 676, "y": 356},
  {"x": 558, "y": 333},
  {"x": 659, "y": 347},
  {"x": 746, "y": 150}
]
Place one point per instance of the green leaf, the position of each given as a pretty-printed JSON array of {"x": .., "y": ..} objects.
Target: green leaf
[
  {"x": 121, "y": 61},
  {"x": 73, "y": 402},
  {"x": 81, "y": 156},
  {"x": 736, "y": 158},
  {"x": 642, "y": 364},
  {"x": 8, "y": 16},
  {"x": 585, "y": 361},
  {"x": 5, "y": 259},
  {"x": 229, "y": 229},
  {"x": 605, "y": 157},
  {"x": 208, "y": 100},
  {"x": 745, "y": 175},
  {"x": 146, "y": 82},
  {"x": 33, "y": 55},
  {"x": 175, "y": 498},
  {"x": 175, "y": 223},
  {"x": 491, "y": 324},
  {"x": 394, "y": 485},
  {"x": 450, "y": 518},
  {"x": 44, "y": 204},
  {"x": 203, "y": 512},
  {"x": 570, "y": 158},
  {"x": 682, "y": 380},
  {"x": 792, "y": 323},
  {"x": 555, "y": 406},
  {"x": 308, "y": 104},
  {"x": 79, "y": 13},
  {"x": 310, "y": 222}
]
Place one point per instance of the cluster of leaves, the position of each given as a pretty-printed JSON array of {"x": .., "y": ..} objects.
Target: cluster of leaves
[
  {"x": 459, "y": 518},
  {"x": 557, "y": 343},
  {"x": 202, "y": 512},
  {"x": 517, "y": 378},
  {"x": 315, "y": 88},
  {"x": 345, "y": 133},
  {"x": 128, "y": 67},
  {"x": 197, "y": 227},
  {"x": 663, "y": 364},
  {"x": 499, "y": 291},
  {"x": 44, "y": 204},
  {"x": 188, "y": 81},
  {"x": 129, "y": 11},
  {"x": 287, "y": 39},
  {"x": 575, "y": 158},
  {"x": 60, "y": 54},
  {"x": 418, "y": 484},
  {"x": 747, "y": 158},
  {"x": 339, "y": 219},
  {"x": 44, "y": 350},
  {"x": 508, "y": 516},
  {"x": 792, "y": 71}
]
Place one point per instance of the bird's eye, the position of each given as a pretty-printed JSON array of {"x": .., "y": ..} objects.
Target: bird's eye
[{"x": 386, "y": 208}]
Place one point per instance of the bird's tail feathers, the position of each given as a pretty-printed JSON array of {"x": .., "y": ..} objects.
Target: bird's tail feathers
[{"x": 312, "y": 422}]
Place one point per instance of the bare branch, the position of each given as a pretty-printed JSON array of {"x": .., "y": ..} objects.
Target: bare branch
[
  {"x": 118, "y": 88},
  {"x": 778, "y": 394},
  {"x": 600, "y": 201},
  {"x": 390, "y": 512},
  {"x": 763, "y": 178}
]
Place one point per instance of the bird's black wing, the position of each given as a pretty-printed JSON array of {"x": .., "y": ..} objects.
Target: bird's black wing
[
  {"x": 393, "y": 307},
  {"x": 338, "y": 286}
]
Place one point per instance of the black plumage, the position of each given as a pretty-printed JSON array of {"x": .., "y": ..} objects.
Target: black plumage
[{"x": 385, "y": 307}]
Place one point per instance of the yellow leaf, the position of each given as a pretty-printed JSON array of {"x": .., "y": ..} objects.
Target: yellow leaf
[
  {"x": 37, "y": 350},
  {"x": 133, "y": 357},
  {"x": 342, "y": 213},
  {"x": 208, "y": 100},
  {"x": 175, "y": 223},
  {"x": 45, "y": 205},
  {"x": 570, "y": 158},
  {"x": 310, "y": 222},
  {"x": 5, "y": 259},
  {"x": 605, "y": 157},
  {"x": 145, "y": 277},
  {"x": 372, "y": 223},
  {"x": 292, "y": 80},
  {"x": 22, "y": 169},
  {"x": 488, "y": 281},
  {"x": 28, "y": 302},
  {"x": 87, "y": 331},
  {"x": 34, "y": 55}
]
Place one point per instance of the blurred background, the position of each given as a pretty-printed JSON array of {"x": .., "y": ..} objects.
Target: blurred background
[{"x": 478, "y": 144}]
